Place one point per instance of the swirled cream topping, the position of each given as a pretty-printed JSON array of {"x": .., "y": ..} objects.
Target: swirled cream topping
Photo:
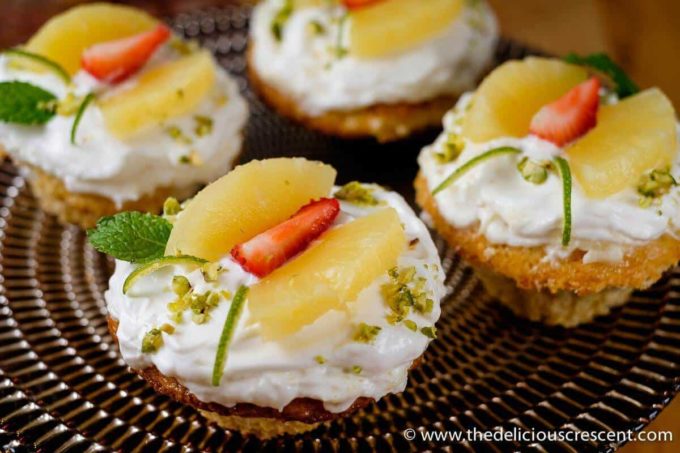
[
  {"x": 122, "y": 170},
  {"x": 495, "y": 198},
  {"x": 329, "y": 360},
  {"x": 305, "y": 64}
]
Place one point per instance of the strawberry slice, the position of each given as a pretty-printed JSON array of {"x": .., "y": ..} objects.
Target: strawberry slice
[
  {"x": 267, "y": 251},
  {"x": 569, "y": 117},
  {"x": 114, "y": 61},
  {"x": 356, "y": 4}
]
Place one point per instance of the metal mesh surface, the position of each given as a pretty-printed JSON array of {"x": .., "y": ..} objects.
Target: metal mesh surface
[{"x": 64, "y": 387}]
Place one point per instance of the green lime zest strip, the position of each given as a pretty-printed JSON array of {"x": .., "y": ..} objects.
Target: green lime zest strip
[
  {"x": 53, "y": 65},
  {"x": 228, "y": 332},
  {"x": 79, "y": 115},
  {"x": 460, "y": 171},
  {"x": 565, "y": 173},
  {"x": 159, "y": 263}
]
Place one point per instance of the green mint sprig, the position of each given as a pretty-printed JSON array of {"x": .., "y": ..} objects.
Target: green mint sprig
[
  {"x": 131, "y": 236},
  {"x": 228, "y": 332},
  {"x": 79, "y": 115},
  {"x": 50, "y": 64},
  {"x": 460, "y": 171},
  {"x": 23, "y": 103},
  {"x": 565, "y": 174},
  {"x": 601, "y": 62}
]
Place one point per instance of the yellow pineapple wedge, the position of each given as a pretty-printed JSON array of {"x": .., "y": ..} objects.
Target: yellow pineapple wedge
[
  {"x": 64, "y": 37},
  {"x": 396, "y": 25},
  {"x": 172, "y": 89},
  {"x": 247, "y": 201},
  {"x": 328, "y": 275},
  {"x": 636, "y": 135},
  {"x": 510, "y": 96}
]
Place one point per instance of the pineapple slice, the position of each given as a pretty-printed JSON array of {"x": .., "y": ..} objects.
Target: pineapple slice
[
  {"x": 510, "y": 96},
  {"x": 636, "y": 135},
  {"x": 328, "y": 275},
  {"x": 249, "y": 200},
  {"x": 64, "y": 37},
  {"x": 172, "y": 89},
  {"x": 396, "y": 25}
]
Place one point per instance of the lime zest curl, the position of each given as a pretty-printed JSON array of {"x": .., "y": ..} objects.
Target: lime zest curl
[{"x": 460, "y": 171}]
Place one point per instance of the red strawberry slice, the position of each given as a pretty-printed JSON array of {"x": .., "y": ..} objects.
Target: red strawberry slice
[
  {"x": 267, "y": 251},
  {"x": 570, "y": 116},
  {"x": 356, "y": 4},
  {"x": 114, "y": 61}
]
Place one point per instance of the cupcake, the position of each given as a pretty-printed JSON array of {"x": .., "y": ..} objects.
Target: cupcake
[
  {"x": 109, "y": 111},
  {"x": 380, "y": 68},
  {"x": 556, "y": 181},
  {"x": 274, "y": 301}
]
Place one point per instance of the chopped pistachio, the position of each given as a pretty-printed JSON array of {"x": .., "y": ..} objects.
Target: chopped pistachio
[
  {"x": 356, "y": 369},
  {"x": 410, "y": 325},
  {"x": 320, "y": 359},
  {"x": 226, "y": 294},
  {"x": 280, "y": 19},
  {"x": 199, "y": 318},
  {"x": 221, "y": 100},
  {"x": 48, "y": 106},
  {"x": 152, "y": 341},
  {"x": 316, "y": 27},
  {"x": 213, "y": 300},
  {"x": 69, "y": 105},
  {"x": 180, "y": 285},
  {"x": 656, "y": 183},
  {"x": 202, "y": 304},
  {"x": 171, "y": 207},
  {"x": 193, "y": 158},
  {"x": 177, "y": 135},
  {"x": 355, "y": 192},
  {"x": 168, "y": 328},
  {"x": 184, "y": 47},
  {"x": 404, "y": 291},
  {"x": 451, "y": 149},
  {"x": 211, "y": 271},
  {"x": 365, "y": 333},
  {"x": 176, "y": 317},
  {"x": 429, "y": 332},
  {"x": 204, "y": 125},
  {"x": 533, "y": 171},
  {"x": 394, "y": 318},
  {"x": 646, "y": 202}
]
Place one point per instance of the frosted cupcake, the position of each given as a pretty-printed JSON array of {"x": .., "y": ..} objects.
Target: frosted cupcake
[
  {"x": 556, "y": 181},
  {"x": 276, "y": 301},
  {"x": 381, "y": 68},
  {"x": 109, "y": 111}
]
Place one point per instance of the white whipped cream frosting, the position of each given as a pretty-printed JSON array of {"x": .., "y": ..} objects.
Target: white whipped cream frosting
[
  {"x": 306, "y": 68},
  {"x": 507, "y": 209},
  {"x": 125, "y": 170},
  {"x": 272, "y": 374}
]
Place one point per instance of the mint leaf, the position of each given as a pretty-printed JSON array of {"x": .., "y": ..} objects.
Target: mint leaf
[
  {"x": 131, "y": 236},
  {"x": 601, "y": 62},
  {"x": 23, "y": 103}
]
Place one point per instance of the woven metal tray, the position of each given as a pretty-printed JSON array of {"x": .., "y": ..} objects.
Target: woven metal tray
[{"x": 64, "y": 387}]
